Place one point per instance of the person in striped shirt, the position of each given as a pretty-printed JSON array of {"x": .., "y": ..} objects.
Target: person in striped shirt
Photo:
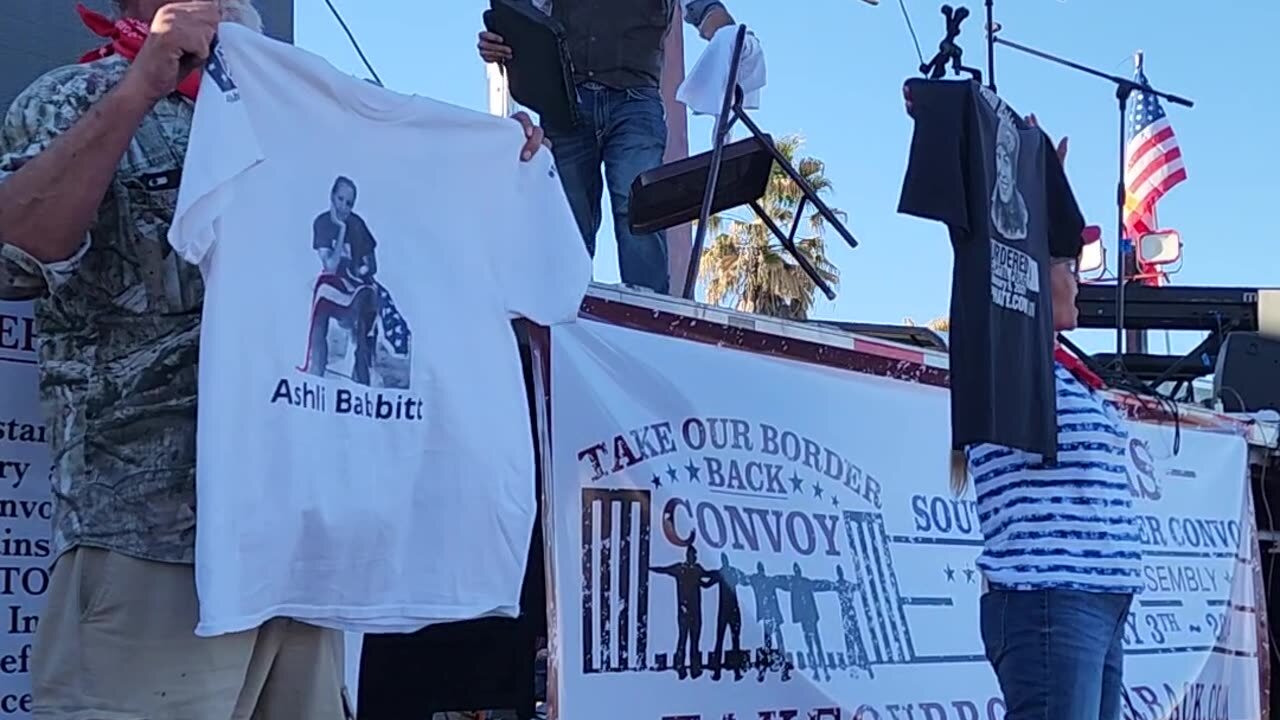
[{"x": 1062, "y": 555}]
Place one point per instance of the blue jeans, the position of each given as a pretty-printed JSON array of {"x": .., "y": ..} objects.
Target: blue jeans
[
  {"x": 1058, "y": 654},
  {"x": 626, "y": 130}
]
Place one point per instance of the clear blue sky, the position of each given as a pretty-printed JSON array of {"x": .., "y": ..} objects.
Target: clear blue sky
[{"x": 835, "y": 73}]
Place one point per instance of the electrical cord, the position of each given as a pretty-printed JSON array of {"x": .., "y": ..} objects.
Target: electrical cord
[
  {"x": 1233, "y": 391},
  {"x": 354, "y": 43},
  {"x": 1144, "y": 394},
  {"x": 911, "y": 29},
  {"x": 1121, "y": 381},
  {"x": 1271, "y": 553}
]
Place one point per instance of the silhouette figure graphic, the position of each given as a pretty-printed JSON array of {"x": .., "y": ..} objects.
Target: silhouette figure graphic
[
  {"x": 804, "y": 612},
  {"x": 765, "y": 588},
  {"x": 729, "y": 614},
  {"x": 690, "y": 579},
  {"x": 848, "y": 592}
]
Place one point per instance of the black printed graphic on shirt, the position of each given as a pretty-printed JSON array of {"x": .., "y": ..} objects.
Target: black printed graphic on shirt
[
  {"x": 1008, "y": 209},
  {"x": 358, "y": 359},
  {"x": 356, "y": 332},
  {"x": 220, "y": 73}
]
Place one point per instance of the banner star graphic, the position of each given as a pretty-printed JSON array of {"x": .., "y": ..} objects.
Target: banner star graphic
[
  {"x": 950, "y": 572},
  {"x": 693, "y": 472},
  {"x": 797, "y": 482},
  {"x": 817, "y": 490},
  {"x": 657, "y": 481},
  {"x": 835, "y": 501},
  {"x": 673, "y": 474},
  {"x": 968, "y": 574}
]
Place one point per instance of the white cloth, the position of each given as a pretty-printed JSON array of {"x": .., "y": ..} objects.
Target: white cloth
[
  {"x": 408, "y": 501},
  {"x": 703, "y": 88}
]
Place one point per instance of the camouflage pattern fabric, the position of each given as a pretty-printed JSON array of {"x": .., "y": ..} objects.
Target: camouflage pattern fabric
[{"x": 119, "y": 328}]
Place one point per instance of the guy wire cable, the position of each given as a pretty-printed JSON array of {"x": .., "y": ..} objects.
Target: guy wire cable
[
  {"x": 354, "y": 43},
  {"x": 911, "y": 29}
]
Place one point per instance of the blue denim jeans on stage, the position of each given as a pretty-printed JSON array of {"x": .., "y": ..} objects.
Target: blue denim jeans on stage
[
  {"x": 626, "y": 130},
  {"x": 1058, "y": 654}
]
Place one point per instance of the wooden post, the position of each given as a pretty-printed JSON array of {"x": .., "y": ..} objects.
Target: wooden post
[{"x": 679, "y": 239}]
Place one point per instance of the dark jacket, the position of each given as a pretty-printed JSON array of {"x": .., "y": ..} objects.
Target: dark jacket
[{"x": 619, "y": 43}]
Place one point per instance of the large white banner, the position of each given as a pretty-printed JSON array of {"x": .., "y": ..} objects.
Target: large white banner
[
  {"x": 25, "y": 507},
  {"x": 736, "y": 536}
]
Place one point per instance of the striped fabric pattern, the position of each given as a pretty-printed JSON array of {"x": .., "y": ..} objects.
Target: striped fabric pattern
[{"x": 1068, "y": 524}]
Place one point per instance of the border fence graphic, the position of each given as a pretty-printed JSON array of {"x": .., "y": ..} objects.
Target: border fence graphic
[
  {"x": 615, "y": 520},
  {"x": 885, "y": 618},
  {"x": 616, "y": 544}
]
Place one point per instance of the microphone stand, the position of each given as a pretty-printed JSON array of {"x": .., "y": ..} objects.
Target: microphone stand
[
  {"x": 1124, "y": 88},
  {"x": 991, "y": 45}
]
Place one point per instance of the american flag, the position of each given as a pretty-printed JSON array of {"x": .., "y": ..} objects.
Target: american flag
[
  {"x": 1153, "y": 160},
  {"x": 395, "y": 329},
  {"x": 335, "y": 295}
]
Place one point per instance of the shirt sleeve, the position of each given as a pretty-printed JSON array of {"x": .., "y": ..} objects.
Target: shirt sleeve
[
  {"x": 935, "y": 183},
  {"x": 47, "y": 108},
  {"x": 543, "y": 265},
  {"x": 695, "y": 11},
  {"x": 1066, "y": 222},
  {"x": 323, "y": 233},
  {"x": 222, "y": 147},
  {"x": 368, "y": 249}
]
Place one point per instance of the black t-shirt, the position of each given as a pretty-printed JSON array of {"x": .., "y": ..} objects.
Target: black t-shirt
[{"x": 998, "y": 185}]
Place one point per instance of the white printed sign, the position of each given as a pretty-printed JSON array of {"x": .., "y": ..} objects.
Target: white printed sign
[
  {"x": 26, "y": 513},
  {"x": 740, "y": 537},
  {"x": 25, "y": 507}
]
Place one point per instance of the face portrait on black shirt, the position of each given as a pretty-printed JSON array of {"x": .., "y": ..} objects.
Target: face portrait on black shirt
[{"x": 1008, "y": 209}]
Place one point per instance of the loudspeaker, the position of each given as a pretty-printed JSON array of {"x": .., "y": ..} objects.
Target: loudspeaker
[{"x": 1247, "y": 377}]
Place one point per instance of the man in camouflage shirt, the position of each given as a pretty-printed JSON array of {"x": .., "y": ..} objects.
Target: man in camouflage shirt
[{"x": 90, "y": 162}]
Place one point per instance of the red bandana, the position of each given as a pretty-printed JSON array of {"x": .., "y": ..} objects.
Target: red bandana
[
  {"x": 127, "y": 36},
  {"x": 1077, "y": 368}
]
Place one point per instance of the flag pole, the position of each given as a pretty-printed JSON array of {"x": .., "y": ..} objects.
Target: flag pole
[
  {"x": 1138, "y": 58},
  {"x": 1135, "y": 340},
  {"x": 499, "y": 90}
]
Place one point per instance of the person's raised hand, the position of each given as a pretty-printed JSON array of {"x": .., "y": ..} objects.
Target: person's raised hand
[
  {"x": 534, "y": 137},
  {"x": 1091, "y": 233},
  {"x": 178, "y": 45},
  {"x": 1062, "y": 144},
  {"x": 493, "y": 49}
]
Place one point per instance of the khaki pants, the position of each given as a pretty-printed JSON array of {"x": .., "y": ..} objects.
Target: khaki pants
[{"x": 117, "y": 642}]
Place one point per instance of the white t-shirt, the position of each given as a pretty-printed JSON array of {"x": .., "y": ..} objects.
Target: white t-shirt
[{"x": 365, "y": 452}]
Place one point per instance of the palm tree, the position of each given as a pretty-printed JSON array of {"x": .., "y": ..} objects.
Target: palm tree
[
  {"x": 745, "y": 267},
  {"x": 941, "y": 324}
]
